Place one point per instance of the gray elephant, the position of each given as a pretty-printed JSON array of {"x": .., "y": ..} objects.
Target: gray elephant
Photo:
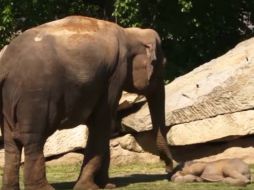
[
  {"x": 72, "y": 71},
  {"x": 232, "y": 171}
]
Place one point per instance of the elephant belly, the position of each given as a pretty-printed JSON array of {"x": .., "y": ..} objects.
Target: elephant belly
[
  {"x": 79, "y": 106},
  {"x": 73, "y": 121},
  {"x": 212, "y": 173}
]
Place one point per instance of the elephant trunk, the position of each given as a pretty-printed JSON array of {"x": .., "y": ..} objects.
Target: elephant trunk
[{"x": 156, "y": 102}]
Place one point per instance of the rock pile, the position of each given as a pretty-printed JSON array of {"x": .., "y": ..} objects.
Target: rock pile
[{"x": 209, "y": 115}]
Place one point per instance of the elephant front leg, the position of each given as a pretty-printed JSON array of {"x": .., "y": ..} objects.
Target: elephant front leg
[
  {"x": 186, "y": 178},
  {"x": 94, "y": 171}
]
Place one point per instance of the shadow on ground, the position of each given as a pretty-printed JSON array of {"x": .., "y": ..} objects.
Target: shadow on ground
[
  {"x": 63, "y": 185},
  {"x": 119, "y": 181},
  {"x": 137, "y": 178}
]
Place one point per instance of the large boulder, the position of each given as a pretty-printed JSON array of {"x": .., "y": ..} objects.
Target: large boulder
[
  {"x": 61, "y": 142},
  {"x": 213, "y": 102},
  {"x": 66, "y": 140}
]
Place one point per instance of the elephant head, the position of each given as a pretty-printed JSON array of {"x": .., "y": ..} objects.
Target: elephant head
[
  {"x": 145, "y": 76},
  {"x": 146, "y": 59}
]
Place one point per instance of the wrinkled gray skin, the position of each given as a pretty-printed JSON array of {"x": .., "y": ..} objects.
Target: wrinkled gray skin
[
  {"x": 231, "y": 171},
  {"x": 68, "y": 72}
]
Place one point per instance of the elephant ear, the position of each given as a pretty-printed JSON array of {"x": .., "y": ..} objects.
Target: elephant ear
[
  {"x": 151, "y": 54},
  {"x": 143, "y": 61},
  {"x": 143, "y": 67},
  {"x": 151, "y": 51}
]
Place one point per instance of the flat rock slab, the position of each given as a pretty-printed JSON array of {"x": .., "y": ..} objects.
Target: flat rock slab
[
  {"x": 242, "y": 148},
  {"x": 219, "y": 128}
]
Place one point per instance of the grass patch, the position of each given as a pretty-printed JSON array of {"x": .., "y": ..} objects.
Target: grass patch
[{"x": 132, "y": 177}]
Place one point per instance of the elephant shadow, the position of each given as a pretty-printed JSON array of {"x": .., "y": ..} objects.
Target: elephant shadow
[
  {"x": 123, "y": 181},
  {"x": 120, "y": 181},
  {"x": 64, "y": 185}
]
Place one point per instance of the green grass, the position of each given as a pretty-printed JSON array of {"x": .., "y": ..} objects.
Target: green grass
[{"x": 133, "y": 177}]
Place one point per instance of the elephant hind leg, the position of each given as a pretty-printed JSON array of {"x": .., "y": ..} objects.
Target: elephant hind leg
[
  {"x": 12, "y": 160},
  {"x": 237, "y": 182},
  {"x": 34, "y": 167},
  {"x": 235, "y": 177},
  {"x": 33, "y": 122}
]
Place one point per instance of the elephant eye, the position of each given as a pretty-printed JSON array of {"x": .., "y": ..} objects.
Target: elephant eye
[{"x": 164, "y": 61}]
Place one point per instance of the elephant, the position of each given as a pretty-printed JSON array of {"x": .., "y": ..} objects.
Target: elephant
[
  {"x": 232, "y": 171},
  {"x": 72, "y": 71}
]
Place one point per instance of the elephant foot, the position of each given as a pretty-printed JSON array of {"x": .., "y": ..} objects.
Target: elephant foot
[
  {"x": 93, "y": 186},
  {"x": 169, "y": 167},
  {"x": 10, "y": 187},
  {"x": 39, "y": 187},
  {"x": 109, "y": 186},
  {"x": 85, "y": 186}
]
